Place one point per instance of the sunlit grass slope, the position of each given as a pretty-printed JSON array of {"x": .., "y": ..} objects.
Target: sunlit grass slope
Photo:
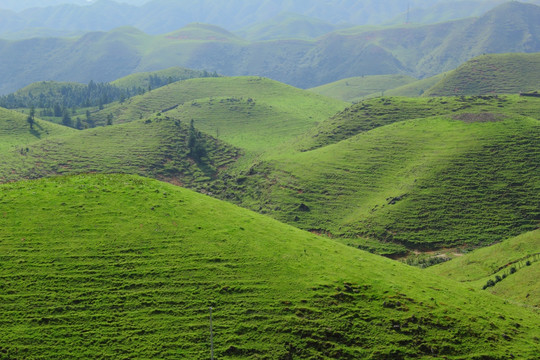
[
  {"x": 356, "y": 88},
  {"x": 373, "y": 113},
  {"x": 248, "y": 111},
  {"x": 108, "y": 266},
  {"x": 461, "y": 179},
  {"x": 492, "y": 74},
  {"x": 156, "y": 147},
  {"x": 416, "y": 88},
  {"x": 514, "y": 260},
  {"x": 15, "y": 132}
]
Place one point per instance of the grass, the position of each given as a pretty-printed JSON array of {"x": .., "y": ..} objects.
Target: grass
[
  {"x": 156, "y": 147},
  {"x": 116, "y": 266},
  {"x": 358, "y": 88},
  {"x": 15, "y": 132},
  {"x": 481, "y": 265},
  {"x": 491, "y": 74},
  {"x": 423, "y": 184},
  {"x": 250, "y": 112},
  {"x": 416, "y": 88},
  {"x": 380, "y": 179},
  {"x": 389, "y": 175}
]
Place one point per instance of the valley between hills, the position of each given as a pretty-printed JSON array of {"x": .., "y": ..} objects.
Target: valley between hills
[{"x": 379, "y": 201}]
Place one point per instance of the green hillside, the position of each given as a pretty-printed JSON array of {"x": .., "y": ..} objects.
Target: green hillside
[
  {"x": 249, "y": 112},
  {"x": 515, "y": 261},
  {"x": 16, "y": 134},
  {"x": 426, "y": 183},
  {"x": 108, "y": 266},
  {"x": 158, "y": 147},
  {"x": 373, "y": 113},
  {"x": 144, "y": 79},
  {"x": 356, "y": 88},
  {"x": 416, "y": 88},
  {"x": 491, "y": 74}
]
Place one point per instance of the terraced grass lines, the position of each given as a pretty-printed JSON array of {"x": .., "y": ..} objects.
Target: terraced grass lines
[{"x": 120, "y": 266}]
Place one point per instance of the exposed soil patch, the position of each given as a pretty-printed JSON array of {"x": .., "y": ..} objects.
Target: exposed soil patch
[{"x": 479, "y": 117}]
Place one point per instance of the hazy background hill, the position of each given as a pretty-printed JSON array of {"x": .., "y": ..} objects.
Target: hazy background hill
[
  {"x": 160, "y": 16},
  {"x": 418, "y": 51}
]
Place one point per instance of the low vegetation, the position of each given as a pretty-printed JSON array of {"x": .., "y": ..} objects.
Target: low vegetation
[
  {"x": 121, "y": 266},
  {"x": 507, "y": 269}
]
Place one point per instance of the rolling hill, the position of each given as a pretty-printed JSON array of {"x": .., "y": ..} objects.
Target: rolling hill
[
  {"x": 94, "y": 264},
  {"x": 389, "y": 175},
  {"x": 287, "y": 26},
  {"x": 491, "y": 74},
  {"x": 514, "y": 262},
  {"x": 419, "y": 51},
  {"x": 394, "y": 174},
  {"x": 157, "y": 146},
  {"x": 16, "y": 134},
  {"x": 357, "y": 88},
  {"x": 249, "y": 112}
]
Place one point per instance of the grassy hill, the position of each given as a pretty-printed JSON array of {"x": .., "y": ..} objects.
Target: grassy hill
[
  {"x": 16, "y": 135},
  {"x": 356, "y": 88},
  {"x": 157, "y": 147},
  {"x": 391, "y": 174},
  {"x": 491, "y": 74},
  {"x": 514, "y": 261},
  {"x": 93, "y": 265},
  {"x": 249, "y": 112},
  {"x": 416, "y": 88},
  {"x": 388, "y": 175}
]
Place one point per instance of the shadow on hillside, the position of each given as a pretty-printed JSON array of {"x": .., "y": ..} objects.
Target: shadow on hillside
[{"x": 35, "y": 132}]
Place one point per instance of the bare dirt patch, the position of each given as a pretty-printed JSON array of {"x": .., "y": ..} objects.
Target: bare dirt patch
[{"x": 479, "y": 117}]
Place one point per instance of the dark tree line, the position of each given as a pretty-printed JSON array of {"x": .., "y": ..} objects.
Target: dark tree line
[{"x": 56, "y": 98}]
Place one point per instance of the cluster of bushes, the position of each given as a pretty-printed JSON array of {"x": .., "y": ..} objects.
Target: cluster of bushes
[{"x": 498, "y": 278}]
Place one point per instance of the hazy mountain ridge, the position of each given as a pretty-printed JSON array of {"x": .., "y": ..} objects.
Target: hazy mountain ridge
[
  {"x": 412, "y": 50},
  {"x": 161, "y": 16}
]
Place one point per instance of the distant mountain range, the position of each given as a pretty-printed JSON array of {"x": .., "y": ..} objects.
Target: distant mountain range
[
  {"x": 419, "y": 51},
  {"x": 52, "y": 17}
]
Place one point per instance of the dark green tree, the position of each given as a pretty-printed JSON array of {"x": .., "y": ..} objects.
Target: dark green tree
[
  {"x": 30, "y": 119},
  {"x": 66, "y": 119}
]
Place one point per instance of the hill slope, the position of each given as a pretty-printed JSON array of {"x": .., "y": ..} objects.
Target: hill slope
[
  {"x": 249, "y": 112},
  {"x": 158, "y": 146},
  {"x": 15, "y": 132},
  {"x": 515, "y": 261},
  {"x": 392, "y": 172},
  {"x": 102, "y": 262},
  {"x": 491, "y": 74},
  {"x": 354, "y": 89}
]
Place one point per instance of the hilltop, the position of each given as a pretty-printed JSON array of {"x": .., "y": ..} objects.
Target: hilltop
[
  {"x": 394, "y": 174},
  {"x": 157, "y": 146},
  {"x": 250, "y": 112},
  {"x": 104, "y": 261},
  {"x": 357, "y": 88},
  {"x": 491, "y": 74},
  {"x": 465, "y": 166}
]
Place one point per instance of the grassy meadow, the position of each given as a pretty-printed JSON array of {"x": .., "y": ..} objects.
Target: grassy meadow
[
  {"x": 116, "y": 266},
  {"x": 358, "y": 88}
]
